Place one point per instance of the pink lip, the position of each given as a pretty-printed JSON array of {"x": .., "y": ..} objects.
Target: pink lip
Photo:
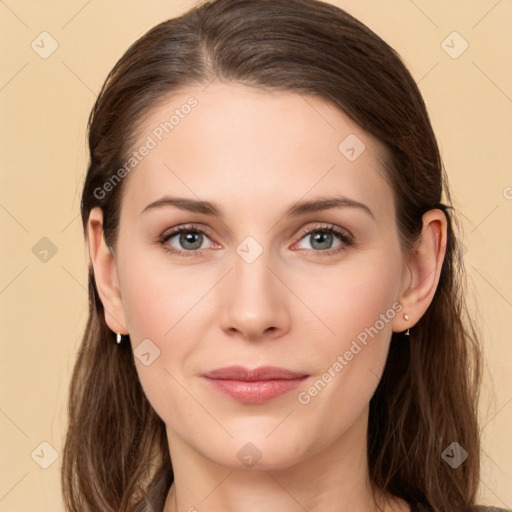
[{"x": 254, "y": 386}]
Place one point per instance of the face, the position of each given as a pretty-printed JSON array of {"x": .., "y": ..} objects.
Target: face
[{"x": 272, "y": 278}]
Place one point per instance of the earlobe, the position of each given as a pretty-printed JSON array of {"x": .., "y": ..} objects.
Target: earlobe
[
  {"x": 424, "y": 265},
  {"x": 105, "y": 273}
]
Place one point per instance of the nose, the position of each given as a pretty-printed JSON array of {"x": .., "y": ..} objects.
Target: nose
[{"x": 255, "y": 301}]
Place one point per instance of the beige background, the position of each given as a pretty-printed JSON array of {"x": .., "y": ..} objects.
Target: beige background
[{"x": 44, "y": 107}]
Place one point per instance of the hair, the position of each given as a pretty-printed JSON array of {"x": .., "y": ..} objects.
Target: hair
[{"x": 116, "y": 455}]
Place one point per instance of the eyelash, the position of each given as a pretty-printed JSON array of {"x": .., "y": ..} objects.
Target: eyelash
[{"x": 346, "y": 239}]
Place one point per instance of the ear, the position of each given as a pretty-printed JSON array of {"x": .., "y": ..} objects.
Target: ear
[
  {"x": 105, "y": 273},
  {"x": 423, "y": 270}
]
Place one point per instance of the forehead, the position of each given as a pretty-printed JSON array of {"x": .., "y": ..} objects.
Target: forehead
[{"x": 232, "y": 143}]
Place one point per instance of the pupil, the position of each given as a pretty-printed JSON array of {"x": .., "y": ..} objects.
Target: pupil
[
  {"x": 188, "y": 237},
  {"x": 322, "y": 237}
]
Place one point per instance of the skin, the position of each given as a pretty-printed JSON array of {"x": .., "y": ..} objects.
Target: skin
[{"x": 254, "y": 154}]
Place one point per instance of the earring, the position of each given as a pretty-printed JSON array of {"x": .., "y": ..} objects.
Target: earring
[
  {"x": 119, "y": 338},
  {"x": 406, "y": 318}
]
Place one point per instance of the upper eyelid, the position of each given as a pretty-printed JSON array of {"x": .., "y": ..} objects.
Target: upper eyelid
[
  {"x": 324, "y": 225},
  {"x": 185, "y": 227}
]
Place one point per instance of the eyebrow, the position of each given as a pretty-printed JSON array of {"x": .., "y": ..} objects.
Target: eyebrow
[{"x": 296, "y": 209}]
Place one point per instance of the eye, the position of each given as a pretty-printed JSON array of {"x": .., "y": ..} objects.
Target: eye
[
  {"x": 321, "y": 238},
  {"x": 185, "y": 240},
  {"x": 189, "y": 240}
]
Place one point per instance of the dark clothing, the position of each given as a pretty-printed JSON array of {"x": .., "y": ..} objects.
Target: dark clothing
[{"x": 420, "y": 508}]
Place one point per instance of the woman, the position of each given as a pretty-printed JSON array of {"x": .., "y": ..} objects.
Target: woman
[{"x": 276, "y": 320}]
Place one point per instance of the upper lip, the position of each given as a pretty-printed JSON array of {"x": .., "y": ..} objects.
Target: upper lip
[{"x": 261, "y": 373}]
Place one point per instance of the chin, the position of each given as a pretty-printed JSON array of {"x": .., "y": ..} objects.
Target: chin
[{"x": 258, "y": 453}]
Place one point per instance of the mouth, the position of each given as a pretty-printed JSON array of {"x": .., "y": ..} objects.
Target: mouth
[{"x": 254, "y": 386}]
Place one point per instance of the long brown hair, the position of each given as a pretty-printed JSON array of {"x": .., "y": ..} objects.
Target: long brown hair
[{"x": 116, "y": 455}]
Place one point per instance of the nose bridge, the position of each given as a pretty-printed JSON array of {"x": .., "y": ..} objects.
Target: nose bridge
[
  {"x": 252, "y": 274},
  {"x": 254, "y": 304}
]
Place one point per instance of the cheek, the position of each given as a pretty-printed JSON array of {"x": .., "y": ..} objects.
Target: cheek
[
  {"x": 165, "y": 305},
  {"x": 351, "y": 297},
  {"x": 357, "y": 304},
  {"x": 171, "y": 306},
  {"x": 157, "y": 298}
]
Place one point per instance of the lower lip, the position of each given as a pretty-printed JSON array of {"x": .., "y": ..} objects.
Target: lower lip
[{"x": 255, "y": 392}]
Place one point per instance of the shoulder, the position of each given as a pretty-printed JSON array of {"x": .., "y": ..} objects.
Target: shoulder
[
  {"x": 482, "y": 508},
  {"x": 476, "y": 508}
]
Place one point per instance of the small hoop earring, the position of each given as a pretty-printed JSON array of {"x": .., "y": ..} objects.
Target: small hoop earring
[{"x": 119, "y": 338}]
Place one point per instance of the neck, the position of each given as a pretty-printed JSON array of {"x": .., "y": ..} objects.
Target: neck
[{"x": 333, "y": 479}]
